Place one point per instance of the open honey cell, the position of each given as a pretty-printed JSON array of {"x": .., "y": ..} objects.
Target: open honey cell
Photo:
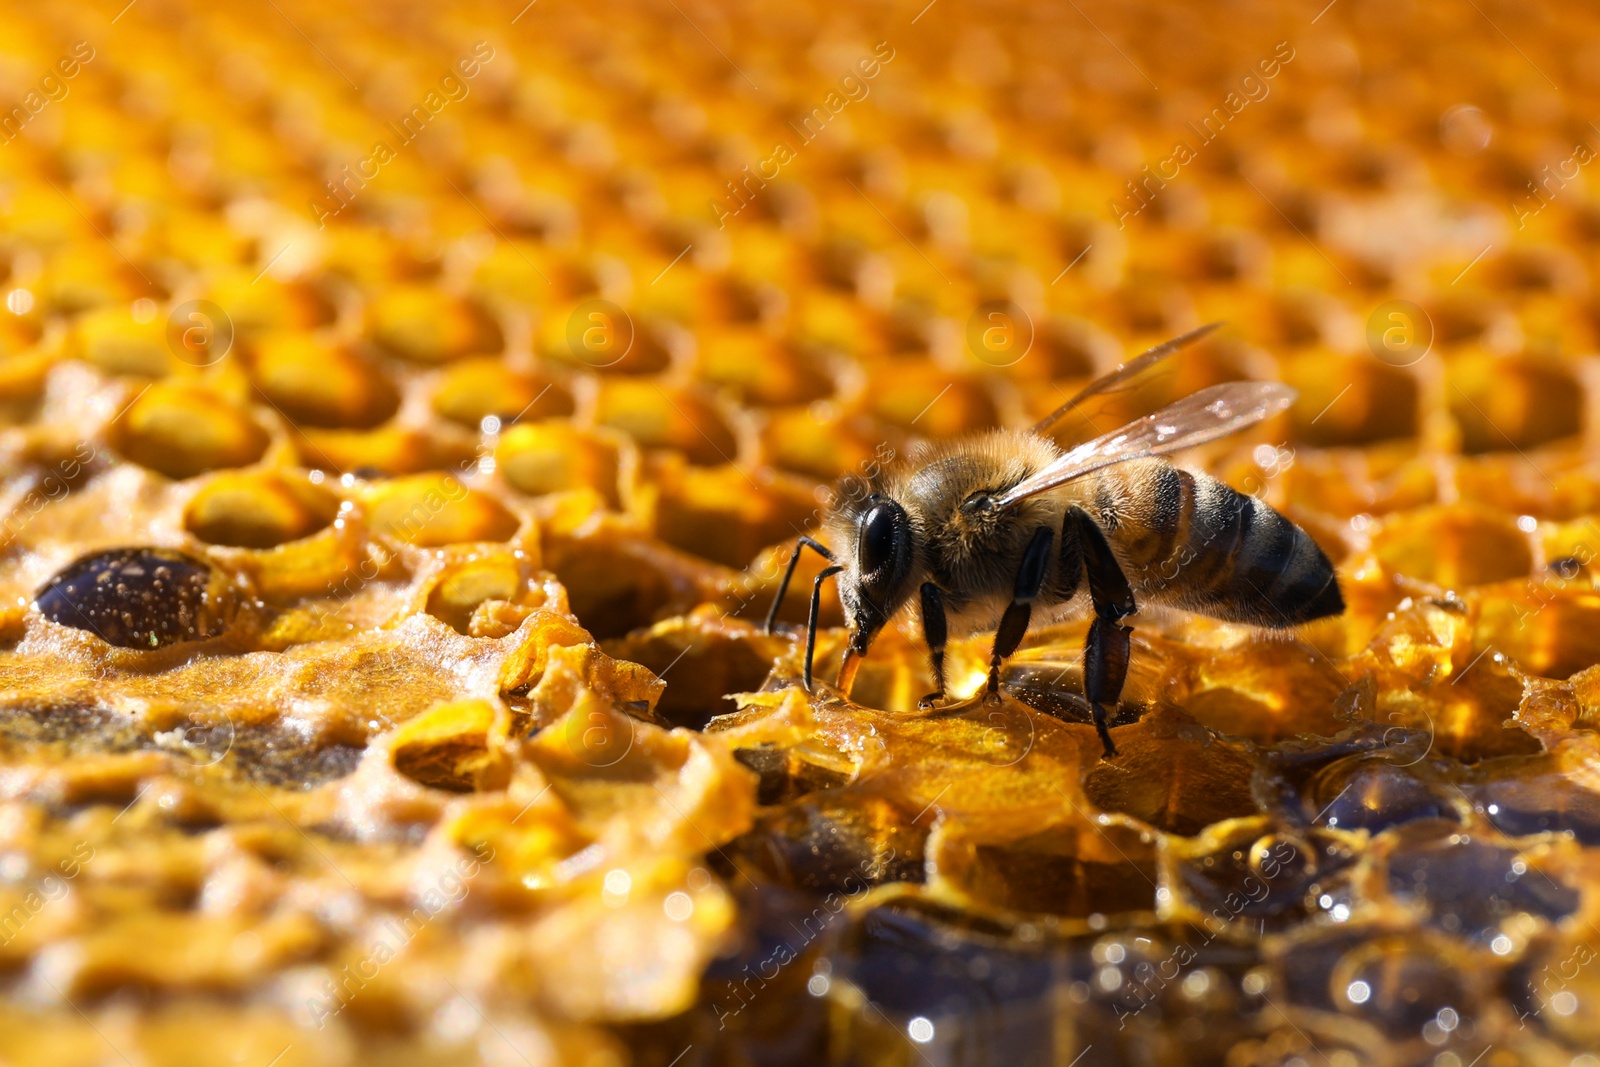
[
  {"x": 427, "y": 326},
  {"x": 816, "y": 441},
  {"x": 259, "y": 510},
  {"x": 321, "y": 385},
  {"x": 1454, "y": 547},
  {"x": 79, "y": 279},
  {"x": 762, "y": 372},
  {"x": 721, "y": 514},
  {"x": 429, "y": 510},
  {"x": 468, "y": 589},
  {"x": 115, "y": 339},
  {"x": 539, "y": 458},
  {"x": 182, "y": 429},
  {"x": 255, "y": 304},
  {"x": 1512, "y": 403},
  {"x": 598, "y": 335},
  {"x": 1352, "y": 400},
  {"x": 935, "y": 405},
  {"x": 474, "y": 390},
  {"x": 659, "y": 416}
]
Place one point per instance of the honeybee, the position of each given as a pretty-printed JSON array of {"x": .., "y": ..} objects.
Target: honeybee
[{"x": 1005, "y": 528}]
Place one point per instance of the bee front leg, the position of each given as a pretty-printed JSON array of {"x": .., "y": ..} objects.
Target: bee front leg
[
  {"x": 935, "y": 631},
  {"x": 1014, "y": 623},
  {"x": 1106, "y": 652},
  {"x": 811, "y": 620}
]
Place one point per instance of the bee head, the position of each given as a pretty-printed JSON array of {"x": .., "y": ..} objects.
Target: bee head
[{"x": 876, "y": 582}]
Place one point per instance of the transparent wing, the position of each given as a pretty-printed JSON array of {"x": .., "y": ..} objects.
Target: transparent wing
[
  {"x": 1194, "y": 420},
  {"x": 1137, "y": 365}
]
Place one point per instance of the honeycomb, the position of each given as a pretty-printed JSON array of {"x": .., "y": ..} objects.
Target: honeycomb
[{"x": 406, "y": 413}]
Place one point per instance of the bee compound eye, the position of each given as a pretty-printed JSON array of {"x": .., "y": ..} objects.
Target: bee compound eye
[{"x": 875, "y": 546}]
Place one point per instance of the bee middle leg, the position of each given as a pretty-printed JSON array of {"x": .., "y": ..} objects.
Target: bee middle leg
[
  {"x": 1014, "y": 623},
  {"x": 1108, "y": 648}
]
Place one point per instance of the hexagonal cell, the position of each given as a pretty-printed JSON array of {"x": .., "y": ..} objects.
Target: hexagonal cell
[
  {"x": 474, "y": 389},
  {"x": 321, "y": 385},
  {"x": 1535, "y": 796},
  {"x": 1147, "y": 304},
  {"x": 84, "y": 276},
  {"x": 818, "y": 442},
  {"x": 554, "y": 457},
  {"x": 1072, "y": 871},
  {"x": 1513, "y": 403},
  {"x": 1338, "y": 482},
  {"x": 904, "y": 393},
  {"x": 447, "y": 747},
  {"x": 1554, "y": 988},
  {"x": 761, "y": 369},
  {"x": 703, "y": 662},
  {"x": 1256, "y": 876},
  {"x": 115, "y": 340},
  {"x": 1472, "y": 887},
  {"x": 183, "y": 429},
  {"x": 1461, "y": 319},
  {"x": 1399, "y": 984},
  {"x": 467, "y": 583},
  {"x": 620, "y": 582},
  {"x": 1209, "y": 361},
  {"x": 1172, "y": 774},
  {"x": 1558, "y": 486},
  {"x": 389, "y": 449},
  {"x": 1266, "y": 690},
  {"x": 1550, "y": 627},
  {"x": 1453, "y": 547},
  {"x": 722, "y": 514},
  {"x": 429, "y": 510},
  {"x": 1540, "y": 269},
  {"x": 1068, "y": 347},
  {"x": 1374, "y": 791},
  {"x": 22, "y": 382},
  {"x": 427, "y": 325},
  {"x": 256, "y": 303},
  {"x": 603, "y": 337},
  {"x": 1350, "y": 400},
  {"x": 1297, "y": 318},
  {"x": 258, "y": 510},
  {"x": 836, "y": 842},
  {"x": 662, "y": 417}
]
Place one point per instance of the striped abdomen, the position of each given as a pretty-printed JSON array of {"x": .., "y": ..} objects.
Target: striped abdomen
[{"x": 1193, "y": 542}]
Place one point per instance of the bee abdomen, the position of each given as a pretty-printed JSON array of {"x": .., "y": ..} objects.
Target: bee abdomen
[
  {"x": 1278, "y": 575},
  {"x": 1232, "y": 557}
]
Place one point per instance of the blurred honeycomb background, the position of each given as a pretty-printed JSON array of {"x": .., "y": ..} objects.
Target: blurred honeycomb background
[{"x": 406, "y": 411}]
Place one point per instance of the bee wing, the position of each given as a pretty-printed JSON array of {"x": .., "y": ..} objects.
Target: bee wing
[
  {"x": 1197, "y": 418},
  {"x": 1137, "y": 365}
]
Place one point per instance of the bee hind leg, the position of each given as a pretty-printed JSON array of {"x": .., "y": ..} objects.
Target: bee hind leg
[
  {"x": 1014, "y": 623},
  {"x": 1108, "y": 648},
  {"x": 1105, "y": 668}
]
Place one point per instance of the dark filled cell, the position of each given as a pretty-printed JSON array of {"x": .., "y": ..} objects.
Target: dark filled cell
[{"x": 135, "y": 598}]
